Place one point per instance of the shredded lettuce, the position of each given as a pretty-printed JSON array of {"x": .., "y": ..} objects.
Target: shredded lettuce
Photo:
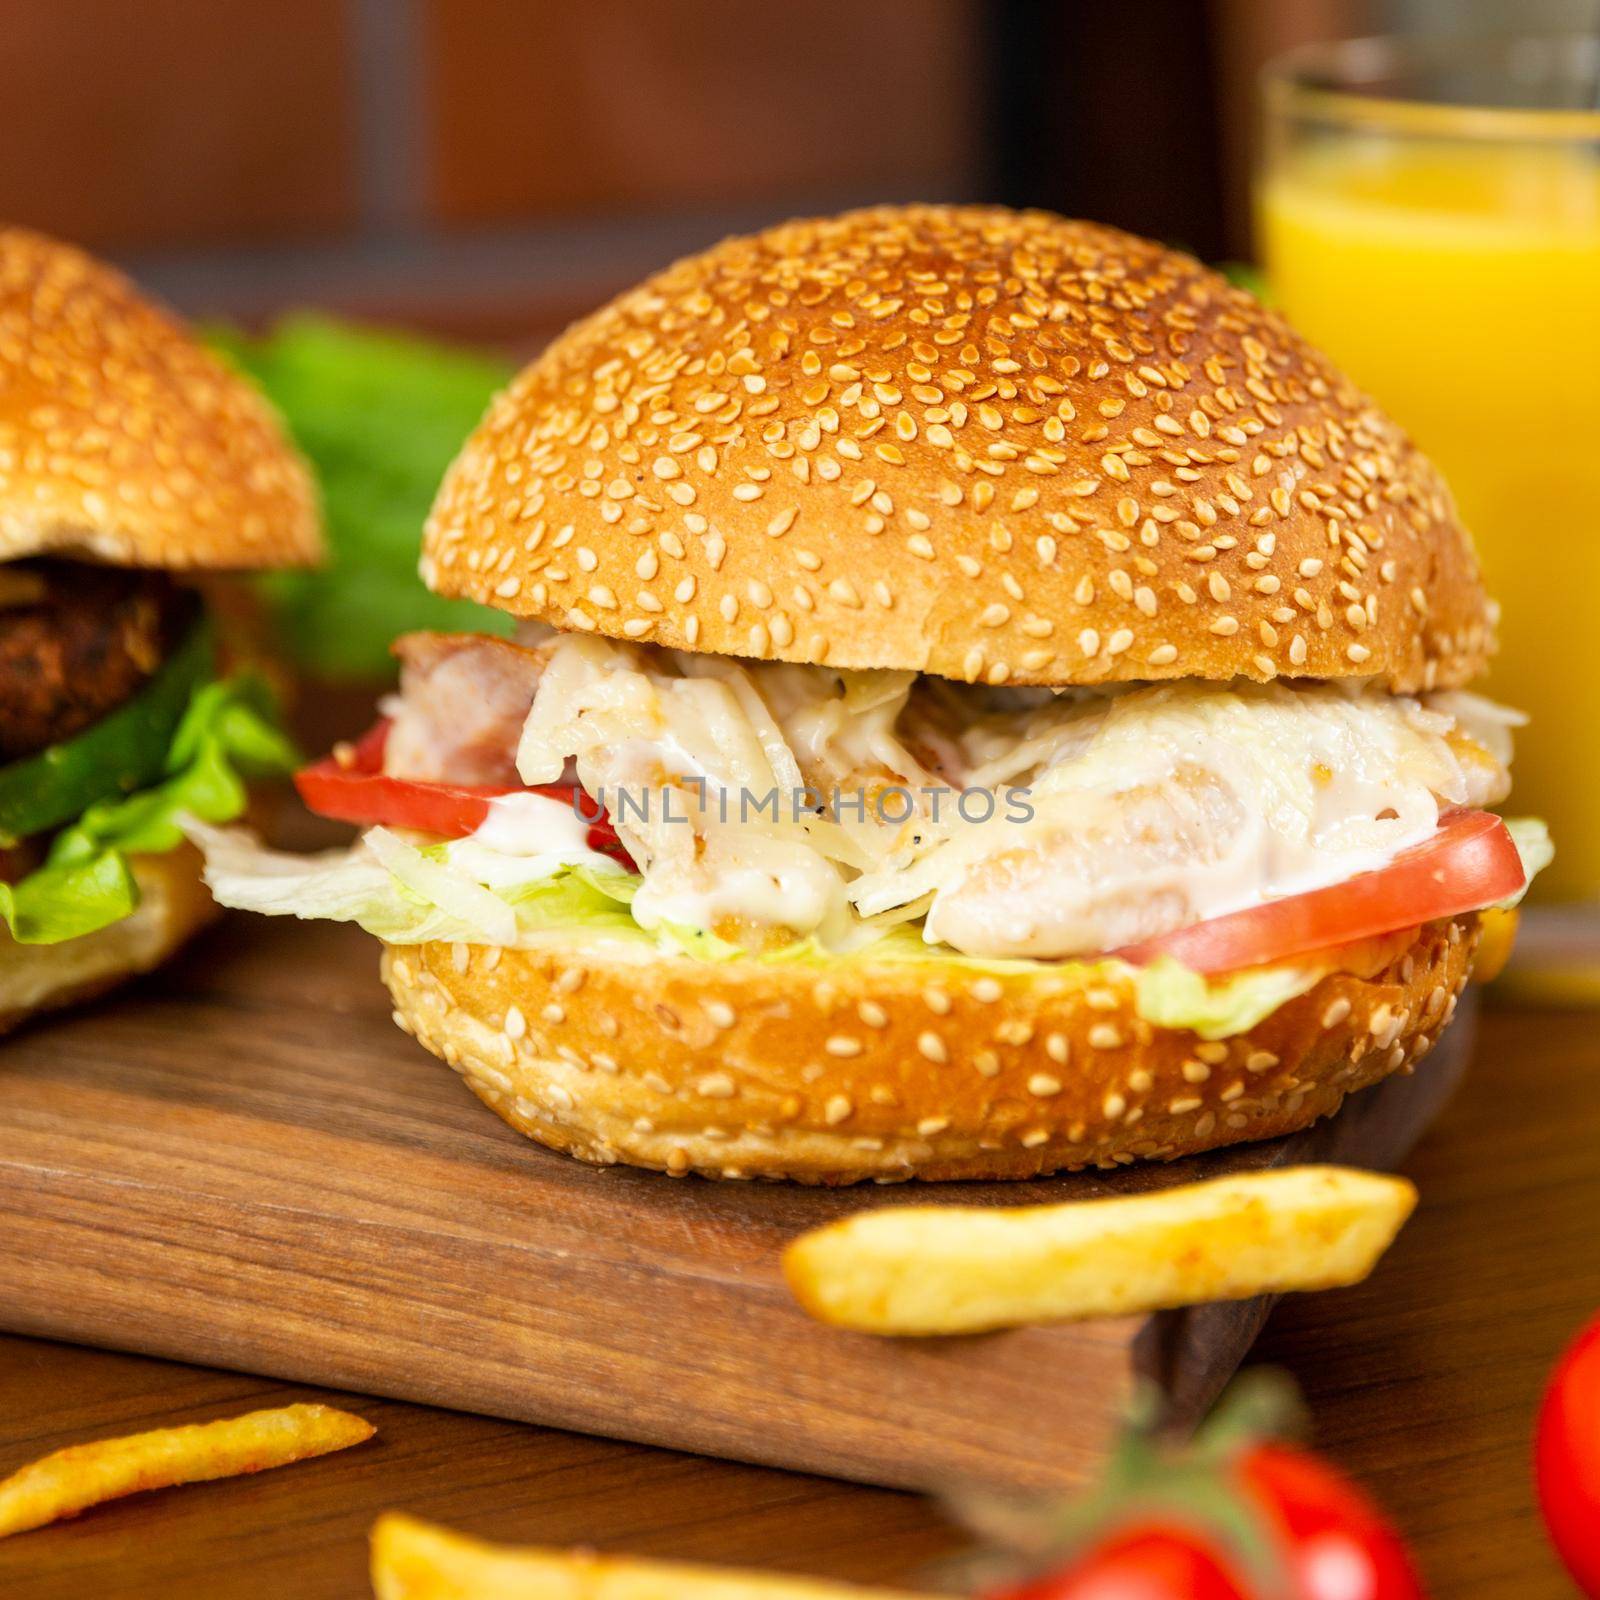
[
  {"x": 227, "y": 734},
  {"x": 459, "y": 890},
  {"x": 355, "y": 885},
  {"x": 415, "y": 906}
]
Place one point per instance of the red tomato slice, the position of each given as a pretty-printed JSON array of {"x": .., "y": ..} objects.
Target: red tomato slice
[
  {"x": 351, "y": 786},
  {"x": 1470, "y": 863}
]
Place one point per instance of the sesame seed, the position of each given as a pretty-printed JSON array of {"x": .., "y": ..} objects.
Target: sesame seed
[{"x": 1019, "y": 367}]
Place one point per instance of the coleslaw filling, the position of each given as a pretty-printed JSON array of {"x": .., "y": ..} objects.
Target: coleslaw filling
[
  {"x": 767, "y": 801},
  {"x": 781, "y": 811}
]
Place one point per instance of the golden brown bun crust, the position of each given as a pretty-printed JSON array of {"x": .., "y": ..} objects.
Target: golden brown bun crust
[
  {"x": 122, "y": 440},
  {"x": 892, "y": 1070},
  {"x": 985, "y": 444},
  {"x": 174, "y": 903}
]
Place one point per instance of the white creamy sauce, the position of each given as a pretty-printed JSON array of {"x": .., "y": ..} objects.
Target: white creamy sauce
[
  {"x": 525, "y": 837},
  {"x": 779, "y": 886}
]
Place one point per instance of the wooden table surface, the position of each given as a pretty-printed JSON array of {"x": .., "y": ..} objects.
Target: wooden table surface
[{"x": 1422, "y": 1382}]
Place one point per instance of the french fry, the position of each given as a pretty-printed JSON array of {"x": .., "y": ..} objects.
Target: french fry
[
  {"x": 84, "y": 1475},
  {"x": 414, "y": 1560},
  {"x": 967, "y": 1269}
]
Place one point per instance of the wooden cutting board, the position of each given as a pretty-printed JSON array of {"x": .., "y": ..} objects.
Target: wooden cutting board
[{"x": 241, "y": 1162}]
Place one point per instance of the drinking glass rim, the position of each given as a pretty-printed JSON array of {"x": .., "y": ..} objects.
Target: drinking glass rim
[{"x": 1288, "y": 84}]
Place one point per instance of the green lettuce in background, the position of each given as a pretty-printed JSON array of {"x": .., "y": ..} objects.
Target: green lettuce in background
[{"x": 380, "y": 415}]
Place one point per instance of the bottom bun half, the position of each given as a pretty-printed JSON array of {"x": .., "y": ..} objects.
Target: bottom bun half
[
  {"x": 173, "y": 903},
  {"x": 841, "y": 1071}
]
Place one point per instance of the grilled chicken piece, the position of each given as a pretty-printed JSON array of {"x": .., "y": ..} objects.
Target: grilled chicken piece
[{"x": 1096, "y": 871}]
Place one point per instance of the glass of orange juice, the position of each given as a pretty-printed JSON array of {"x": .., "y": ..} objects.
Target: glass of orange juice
[{"x": 1430, "y": 215}]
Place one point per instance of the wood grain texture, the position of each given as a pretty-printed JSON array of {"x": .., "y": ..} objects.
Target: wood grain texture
[
  {"x": 300, "y": 1533},
  {"x": 1422, "y": 1382},
  {"x": 246, "y": 1165}
]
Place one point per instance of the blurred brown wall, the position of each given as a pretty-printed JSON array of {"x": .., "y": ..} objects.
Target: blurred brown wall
[
  {"x": 197, "y": 121},
  {"x": 493, "y": 166},
  {"x": 129, "y": 123},
  {"x": 558, "y": 108}
]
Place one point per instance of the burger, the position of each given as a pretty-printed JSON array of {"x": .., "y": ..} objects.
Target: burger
[
  {"x": 132, "y": 465},
  {"x": 986, "y": 698}
]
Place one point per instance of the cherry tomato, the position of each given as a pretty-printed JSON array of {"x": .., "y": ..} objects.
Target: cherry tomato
[
  {"x": 1340, "y": 1546},
  {"x": 351, "y": 786},
  {"x": 1567, "y": 1458},
  {"x": 1141, "y": 1564},
  {"x": 1470, "y": 863},
  {"x": 1325, "y": 1538}
]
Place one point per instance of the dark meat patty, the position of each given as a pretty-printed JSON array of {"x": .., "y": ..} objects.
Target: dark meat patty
[{"x": 76, "y": 642}]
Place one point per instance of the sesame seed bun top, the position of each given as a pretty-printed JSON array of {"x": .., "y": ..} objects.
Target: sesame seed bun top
[
  {"x": 985, "y": 444},
  {"x": 122, "y": 440}
]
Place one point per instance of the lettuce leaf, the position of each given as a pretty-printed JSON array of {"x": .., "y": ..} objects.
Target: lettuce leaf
[
  {"x": 1172, "y": 995},
  {"x": 62, "y": 901},
  {"x": 228, "y": 733},
  {"x": 354, "y": 885},
  {"x": 1532, "y": 839},
  {"x": 379, "y": 415}
]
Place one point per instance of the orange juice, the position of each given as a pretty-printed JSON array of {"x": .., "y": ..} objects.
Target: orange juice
[{"x": 1458, "y": 281}]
